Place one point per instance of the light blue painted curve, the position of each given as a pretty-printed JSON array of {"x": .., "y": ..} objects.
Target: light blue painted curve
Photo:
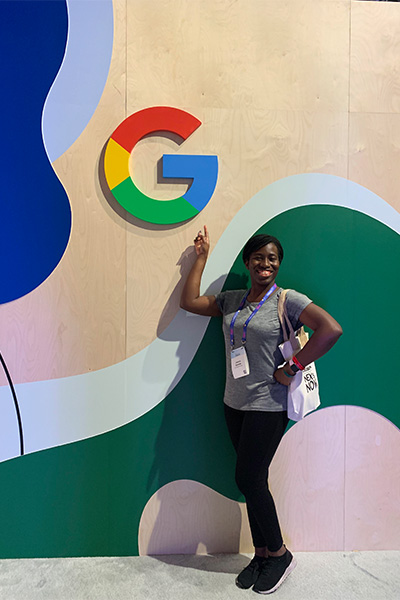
[
  {"x": 65, "y": 410},
  {"x": 79, "y": 84}
]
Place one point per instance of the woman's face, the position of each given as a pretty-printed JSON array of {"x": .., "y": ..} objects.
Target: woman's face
[{"x": 263, "y": 265}]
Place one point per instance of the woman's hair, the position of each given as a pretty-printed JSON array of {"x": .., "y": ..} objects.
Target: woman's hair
[{"x": 258, "y": 241}]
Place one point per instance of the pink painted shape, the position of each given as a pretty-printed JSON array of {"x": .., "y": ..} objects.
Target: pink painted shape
[
  {"x": 307, "y": 482},
  {"x": 372, "y": 507},
  {"x": 336, "y": 483},
  {"x": 187, "y": 517}
]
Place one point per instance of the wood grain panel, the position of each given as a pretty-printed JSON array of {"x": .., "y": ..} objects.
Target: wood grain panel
[
  {"x": 374, "y": 154},
  {"x": 224, "y": 54},
  {"x": 227, "y": 65},
  {"x": 187, "y": 517},
  {"x": 374, "y": 59},
  {"x": 75, "y": 321},
  {"x": 254, "y": 148},
  {"x": 335, "y": 480},
  {"x": 307, "y": 482},
  {"x": 372, "y": 507}
]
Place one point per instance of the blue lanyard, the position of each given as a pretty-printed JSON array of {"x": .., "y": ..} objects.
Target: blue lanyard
[{"x": 257, "y": 308}]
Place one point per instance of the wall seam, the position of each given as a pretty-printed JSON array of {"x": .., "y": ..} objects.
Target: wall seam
[
  {"x": 344, "y": 477},
  {"x": 348, "y": 96},
  {"x": 348, "y": 177},
  {"x": 126, "y": 223}
]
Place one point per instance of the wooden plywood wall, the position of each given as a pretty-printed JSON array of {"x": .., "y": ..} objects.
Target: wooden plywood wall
[
  {"x": 282, "y": 87},
  {"x": 270, "y": 106},
  {"x": 374, "y": 99}
]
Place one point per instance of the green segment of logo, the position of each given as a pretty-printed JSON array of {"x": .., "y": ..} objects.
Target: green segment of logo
[{"x": 160, "y": 212}]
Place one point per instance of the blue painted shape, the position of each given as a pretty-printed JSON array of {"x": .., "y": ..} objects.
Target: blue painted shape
[
  {"x": 77, "y": 89},
  {"x": 202, "y": 169},
  {"x": 35, "y": 214}
]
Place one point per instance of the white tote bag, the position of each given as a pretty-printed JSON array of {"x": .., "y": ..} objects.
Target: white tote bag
[{"x": 303, "y": 391}]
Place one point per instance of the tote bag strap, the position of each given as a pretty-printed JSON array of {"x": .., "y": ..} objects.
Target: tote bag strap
[
  {"x": 281, "y": 311},
  {"x": 288, "y": 331}
]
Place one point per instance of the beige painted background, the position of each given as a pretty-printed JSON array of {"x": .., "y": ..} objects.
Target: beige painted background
[{"x": 281, "y": 87}]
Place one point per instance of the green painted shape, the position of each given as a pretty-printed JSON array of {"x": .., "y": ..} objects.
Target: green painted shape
[
  {"x": 161, "y": 212},
  {"x": 86, "y": 499},
  {"x": 345, "y": 262}
]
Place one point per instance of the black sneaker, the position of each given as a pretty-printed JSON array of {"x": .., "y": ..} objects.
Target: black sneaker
[
  {"x": 274, "y": 572},
  {"x": 249, "y": 575}
]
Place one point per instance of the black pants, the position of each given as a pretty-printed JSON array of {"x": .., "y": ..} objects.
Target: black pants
[{"x": 255, "y": 436}]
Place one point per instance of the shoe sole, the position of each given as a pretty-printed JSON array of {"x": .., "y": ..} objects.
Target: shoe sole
[
  {"x": 243, "y": 587},
  {"x": 289, "y": 569},
  {"x": 246, "y": 587}
]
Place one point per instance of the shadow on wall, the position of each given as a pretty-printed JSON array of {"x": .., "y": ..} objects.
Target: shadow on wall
[
  {"x": 192, "y": 440},
  {"x": 117, "y": 208},
  {"x": 343, "y": 460},
  {"x": 185, "y": 262}
]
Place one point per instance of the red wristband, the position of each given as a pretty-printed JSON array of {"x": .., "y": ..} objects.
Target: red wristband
[{"x": 297, "y": 363}]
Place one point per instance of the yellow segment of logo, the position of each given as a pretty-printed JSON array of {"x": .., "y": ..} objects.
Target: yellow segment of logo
[{"x": 116, "y": 164}]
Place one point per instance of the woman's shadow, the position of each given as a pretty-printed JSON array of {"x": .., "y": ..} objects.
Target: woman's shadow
[{"x": 192, "y": 443}]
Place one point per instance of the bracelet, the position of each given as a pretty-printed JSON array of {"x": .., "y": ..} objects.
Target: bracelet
[
  {"x": 287, "y": 374},
  {"x": 297, "y": 363}
]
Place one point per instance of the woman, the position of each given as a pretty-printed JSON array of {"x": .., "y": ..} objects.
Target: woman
[{"x": 255, "y": 400}]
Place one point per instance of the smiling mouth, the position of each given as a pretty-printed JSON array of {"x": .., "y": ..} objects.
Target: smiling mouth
[{"x": 264, "y": 272}]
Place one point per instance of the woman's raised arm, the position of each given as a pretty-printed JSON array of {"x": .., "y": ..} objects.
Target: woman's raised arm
[{"x": 190, "y": 297}]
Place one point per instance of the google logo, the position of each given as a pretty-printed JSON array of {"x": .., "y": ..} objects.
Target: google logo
[{"x": 203, "y": 169}]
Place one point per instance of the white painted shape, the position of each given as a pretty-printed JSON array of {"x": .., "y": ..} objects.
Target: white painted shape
[
  {"x": 65, "y": 410},
  {"x": 286, "y": 194},
  {"x": 60, "y": 411}
]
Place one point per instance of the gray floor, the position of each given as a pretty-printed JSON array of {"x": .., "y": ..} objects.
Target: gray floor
[{"x": 318, "y": 576}]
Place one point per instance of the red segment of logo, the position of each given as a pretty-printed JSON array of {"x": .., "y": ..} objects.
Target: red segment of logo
[{"x": 150, "y": 120}]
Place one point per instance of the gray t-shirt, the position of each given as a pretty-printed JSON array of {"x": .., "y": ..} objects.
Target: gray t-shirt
[{"x": 258, "y": 390}]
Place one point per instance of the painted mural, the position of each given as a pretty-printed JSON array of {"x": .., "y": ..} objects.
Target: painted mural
[{"x": 111, "y": 423}]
